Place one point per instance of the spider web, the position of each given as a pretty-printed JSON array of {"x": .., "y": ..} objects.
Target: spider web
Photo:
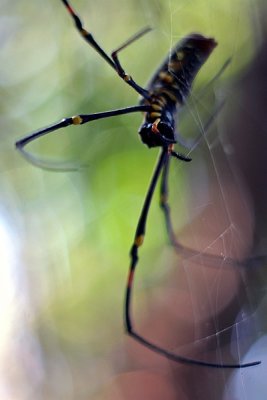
[
  {"x": 63, "y": 283},
  {"x": 220, "y": 220},
  {"x": 222, "y": 223}
]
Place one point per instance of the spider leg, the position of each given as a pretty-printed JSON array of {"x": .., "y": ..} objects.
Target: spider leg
[
  {"x": 203, "y": 91},
  {"x": 112, "y": 61},
  {"x": 87, "y": 35},
  {"x": 162, "y": 164},
  {"x": 65, "y": 122},
  {"x": 164, "y": 194},
  {"x": 143, "y": 92},
  {"x": 209, "y": 259},
  {"x": 139, "y": 238},
  {"x": 191, "y": 144}
]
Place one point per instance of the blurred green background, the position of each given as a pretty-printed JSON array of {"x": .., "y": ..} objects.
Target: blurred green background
[{"x": 65, "y": 237}]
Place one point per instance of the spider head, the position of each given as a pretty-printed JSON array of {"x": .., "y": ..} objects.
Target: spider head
[{"x": 161, "y": 134}]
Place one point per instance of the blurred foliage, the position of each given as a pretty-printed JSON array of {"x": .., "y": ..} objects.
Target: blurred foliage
[{"x": 71, "y": 232}]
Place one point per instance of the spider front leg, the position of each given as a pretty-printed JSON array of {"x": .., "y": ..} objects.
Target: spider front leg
[
  {"x": 113, "y": 60},
  {"x": 127, "y": 78},
  {"x": 88, "y": 37},
  {"x": 64, "y": 123}
]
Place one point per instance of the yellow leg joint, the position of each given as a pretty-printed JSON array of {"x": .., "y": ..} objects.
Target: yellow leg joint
[
  {"x": 163, "y": 199},
  {"x": 77, "y": 120},
  {"x": 84, "y": 32},
  {"x": 127, "y": 78},
  {"x": 139, "y": 240}
]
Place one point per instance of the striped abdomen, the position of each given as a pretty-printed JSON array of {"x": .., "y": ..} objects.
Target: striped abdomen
[{"x": 169, "y": 87}]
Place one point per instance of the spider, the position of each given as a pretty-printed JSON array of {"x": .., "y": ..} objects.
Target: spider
[{"x": 164, "y": 95}]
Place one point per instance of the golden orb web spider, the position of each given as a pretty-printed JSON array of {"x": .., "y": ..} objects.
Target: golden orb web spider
[{"x": 164, "y": 95}]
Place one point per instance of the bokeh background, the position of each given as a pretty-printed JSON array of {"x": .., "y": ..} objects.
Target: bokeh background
[{"x": 65, "y": 237}]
